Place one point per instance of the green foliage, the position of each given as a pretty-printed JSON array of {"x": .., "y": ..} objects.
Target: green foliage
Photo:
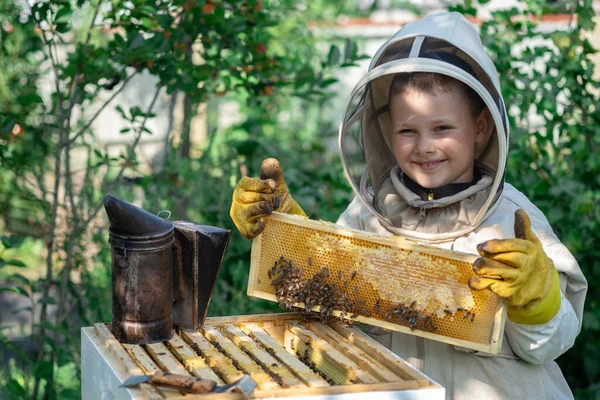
[
  {"x": 263, "y": 57},
  {"x": 64, "y": 63},
  {"x": 554, "y": 155}
]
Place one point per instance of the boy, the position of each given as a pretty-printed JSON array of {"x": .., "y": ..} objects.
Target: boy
[{"x": 423, "y": 144}]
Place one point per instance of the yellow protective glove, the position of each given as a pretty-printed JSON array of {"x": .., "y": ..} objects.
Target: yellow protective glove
[
  {"x": 254, "y": 199},
  {"x": 519, "y": 271}
]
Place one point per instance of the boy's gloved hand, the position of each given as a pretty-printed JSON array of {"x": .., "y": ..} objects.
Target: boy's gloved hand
[
  {"x": 519, "y": 271},
  {"x": 254, "y": 199}
]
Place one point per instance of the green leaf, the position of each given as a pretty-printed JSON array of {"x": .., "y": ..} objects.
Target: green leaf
[
  {"x": 147, "y": 23},
  {"x": 29, "y": 99},
  {"x": 12, "y": 241},
  {"x": 21, "y": 278},
  {"x": 328, "y": 82},
  {"x": 147, "y": 9},
  {"x": 136, "y": 111},
  {"x": 43, "y": 370},
  {"x": 50, "y": 342},
  {"x": 15, "y": 388},
  {"x": 350, "y": 49},
  {"x": 17, "y": 289},
  {"x": 120, "y": 110},
  {"x": 48, "y": 326},
  {"x": 63, "y": 28},
  {"x": 333, "y": 58},
  {"x": 63, "y": 15},
  {"x": 119, "y": 41},
  {"x": 15, "y": 263}
]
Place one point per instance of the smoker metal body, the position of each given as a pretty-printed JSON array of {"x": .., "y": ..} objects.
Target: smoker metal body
[
  {"x": 163, "y": 273},
  {"x": 142, "y": 287}
]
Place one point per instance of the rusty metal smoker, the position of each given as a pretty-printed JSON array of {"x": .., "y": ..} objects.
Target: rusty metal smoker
[{"x": 163, "y": 273}]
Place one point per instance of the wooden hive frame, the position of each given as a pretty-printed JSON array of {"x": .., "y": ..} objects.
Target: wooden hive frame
[
  {"x": 374, "y": 264},
  {"x": 334, "y": 361}
]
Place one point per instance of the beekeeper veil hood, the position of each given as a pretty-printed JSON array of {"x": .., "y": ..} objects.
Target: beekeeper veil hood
[{"x": 443, "y": 43}]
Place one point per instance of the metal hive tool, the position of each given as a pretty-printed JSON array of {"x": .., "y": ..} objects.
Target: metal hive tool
[{"x": 392, "y": 282}]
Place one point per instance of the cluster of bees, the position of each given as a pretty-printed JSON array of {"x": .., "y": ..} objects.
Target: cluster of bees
[
  {"x": 292, "y": 287},
  {"x": 411, "y": 316}
]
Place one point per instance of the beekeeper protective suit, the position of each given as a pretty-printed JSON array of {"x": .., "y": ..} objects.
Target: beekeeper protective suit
[{"x": 446, "y": 43}]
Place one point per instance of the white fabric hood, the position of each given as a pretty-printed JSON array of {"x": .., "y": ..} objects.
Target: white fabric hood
[{"x": 444, "y": 43}]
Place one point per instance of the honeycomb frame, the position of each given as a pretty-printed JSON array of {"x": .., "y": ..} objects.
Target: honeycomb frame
[{"x": 380, "y": 272}]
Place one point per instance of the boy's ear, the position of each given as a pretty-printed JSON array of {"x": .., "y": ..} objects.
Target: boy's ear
[{"x": 484, "y": 125}]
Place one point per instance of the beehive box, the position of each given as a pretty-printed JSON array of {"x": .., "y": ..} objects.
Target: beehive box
[
  {"x": 286, "y": 356},
  {"x": 387, "y": 282}
]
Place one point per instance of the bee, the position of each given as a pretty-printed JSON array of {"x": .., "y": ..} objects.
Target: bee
[
  {"x": 448, "y": 312},
  {"x": 310, "y": 261},
  {"x": 460, "y": 309},
  {"x": 466, "y": 315},
  {"x": 377, "y": 306},
  {"x": 353, "y": 275},
  {"x": 412, "y": 305},
  {"x": 340, "y": 275},
  {"x": 355, "y": 289},
  {"x": 472, "y": 317}
]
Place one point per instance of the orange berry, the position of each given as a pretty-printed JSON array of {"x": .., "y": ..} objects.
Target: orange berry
[
  {"x": 208, "y": 8},
  {"x": 261, "y": 48},
  {"x": 17, "y": 131}
]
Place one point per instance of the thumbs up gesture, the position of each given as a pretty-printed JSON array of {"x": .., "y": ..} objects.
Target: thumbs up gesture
[
  {"x": 519, "y": 271},
  {"x": 256, "y": 198}
]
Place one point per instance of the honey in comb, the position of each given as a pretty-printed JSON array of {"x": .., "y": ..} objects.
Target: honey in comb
[
  {"x": 387, "y": 275},
  {"x": 292, "y": 287}
]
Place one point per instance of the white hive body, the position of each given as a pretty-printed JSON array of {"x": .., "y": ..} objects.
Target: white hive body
[{"x": 286, "y": 357}]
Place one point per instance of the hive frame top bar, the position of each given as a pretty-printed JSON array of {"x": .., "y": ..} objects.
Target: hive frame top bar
[{"x": 491, "y": 321}]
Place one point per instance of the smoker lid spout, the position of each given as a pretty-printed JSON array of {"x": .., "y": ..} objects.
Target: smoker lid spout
[{"x": 126, "y": 218}]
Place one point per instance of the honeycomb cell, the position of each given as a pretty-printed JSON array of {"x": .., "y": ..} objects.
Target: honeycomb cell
[{"x": 383, "y": 279}]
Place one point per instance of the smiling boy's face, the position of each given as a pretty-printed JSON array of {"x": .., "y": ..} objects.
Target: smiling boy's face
[{"x": 434, "y": 135}]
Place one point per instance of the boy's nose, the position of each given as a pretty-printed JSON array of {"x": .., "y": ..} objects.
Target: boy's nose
[{"x": 425, "y": 144}]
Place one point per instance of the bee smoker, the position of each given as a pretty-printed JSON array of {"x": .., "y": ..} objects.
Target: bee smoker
[{"x": 163, "y": 273}]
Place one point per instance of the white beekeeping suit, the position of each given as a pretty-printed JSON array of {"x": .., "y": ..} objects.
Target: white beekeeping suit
[{"x": 446, "y": 43}]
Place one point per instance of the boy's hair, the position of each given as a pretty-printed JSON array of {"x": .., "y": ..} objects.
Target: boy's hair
[{"x": 430, "y": 82}]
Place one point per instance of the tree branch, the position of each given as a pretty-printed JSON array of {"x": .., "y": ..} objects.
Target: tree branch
[
  {"x": 80, "y": 64},
  {"x": 92, "y": 119}
]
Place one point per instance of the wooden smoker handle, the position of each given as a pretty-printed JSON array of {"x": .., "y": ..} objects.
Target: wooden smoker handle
[{"x": 183, "y": 382}]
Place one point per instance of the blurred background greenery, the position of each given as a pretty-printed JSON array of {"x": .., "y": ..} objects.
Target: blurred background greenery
[{"x": 168, "y": 103}]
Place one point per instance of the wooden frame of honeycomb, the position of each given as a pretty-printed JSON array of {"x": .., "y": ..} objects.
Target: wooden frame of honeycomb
[
  {"x": 287, "y": 357},
  {"x": 389, "y": 282}
]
